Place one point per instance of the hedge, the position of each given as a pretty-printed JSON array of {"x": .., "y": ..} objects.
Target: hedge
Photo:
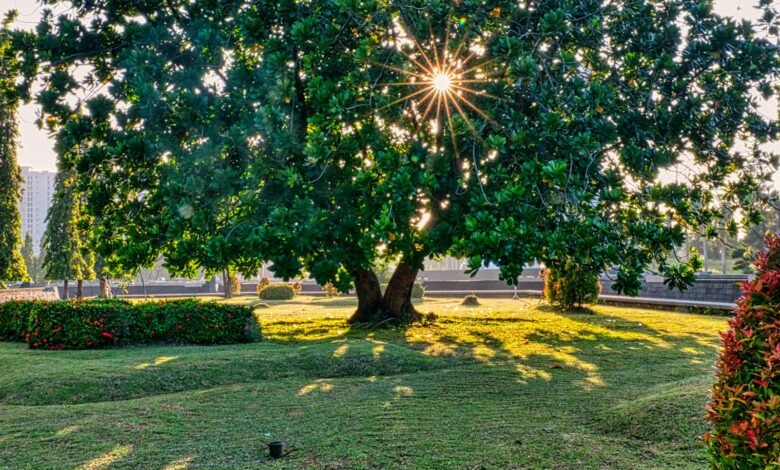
[
  {"x": 277, "y": 292},
  {"x": 744, "y": 407},
  {"x": 102, "y": 323}
]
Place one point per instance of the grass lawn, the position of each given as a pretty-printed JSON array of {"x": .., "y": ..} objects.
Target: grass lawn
[{"x": 510, "y": 384}]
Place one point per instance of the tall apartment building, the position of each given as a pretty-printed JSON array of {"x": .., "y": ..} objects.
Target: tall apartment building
[{"x": 36, "y": 198}]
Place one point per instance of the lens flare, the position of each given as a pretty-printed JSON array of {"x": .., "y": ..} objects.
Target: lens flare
[{"x": 442, "y": 82}]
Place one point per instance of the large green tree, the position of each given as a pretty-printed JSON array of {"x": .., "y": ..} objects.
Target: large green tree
[
  {"x": 12, "y": 265},
  {"x": 328, "y": 136}
]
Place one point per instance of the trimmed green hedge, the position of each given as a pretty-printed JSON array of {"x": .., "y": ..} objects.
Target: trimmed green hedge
[
  {"x": 277, "y": 292},
  {"x": 102, "y": 323}
]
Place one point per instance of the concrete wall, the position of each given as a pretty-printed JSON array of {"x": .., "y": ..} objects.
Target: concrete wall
[{"x": 707, "y": 288}]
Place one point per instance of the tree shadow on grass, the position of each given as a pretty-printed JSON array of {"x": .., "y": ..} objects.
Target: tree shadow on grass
[{"x": 495, "y": 381}]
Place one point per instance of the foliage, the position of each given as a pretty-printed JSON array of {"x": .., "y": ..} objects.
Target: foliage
[
  {"x": 14, "y": 319},
  {"x": 297, "y": 287},
  {"x": 12, "y": 265},
  {"x": 30, "y": 260},
  {"x": 418, "y": 290},
  {"x": 100, "y": 323},
  {"x": 331, "y": 290},
  {"x": 632, "y": 395},
  {"x": 263, "y": 283},
  {"x": 570, "y": 285},
  {"x": 745, "y": 404},
  {"x": 470, "y": 300},
  {"x": 67, "y": 255},
  {"x": 235, "y": 285},
  {"x": 277, "y": 135},
  {"x": 277, "y": 292}
]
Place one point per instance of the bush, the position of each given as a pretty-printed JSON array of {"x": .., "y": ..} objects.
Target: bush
[
  {"x": 100, "y": 323},
  {"x": 570, "y": 285},
  {"x": 470, "y": 300},
  {"x": 277, "y": 292},
  {"x": 262, "y": 284},
  {"x": 235, "y": 285},
  {"x": 14, "y": 315},
  {"x": 331, "y": 290},
  {"x": 745, "y": 404}
]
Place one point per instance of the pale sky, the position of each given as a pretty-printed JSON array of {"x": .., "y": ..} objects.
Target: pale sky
[{"x": 36, "y": 148}]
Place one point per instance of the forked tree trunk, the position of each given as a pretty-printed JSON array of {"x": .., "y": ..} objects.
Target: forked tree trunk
[
  {"x": 397, "y": 301},
  {"x": 65, "y": 291},
  {"x": 394, "y": 306},
  {"x": 80, "y": 289},
  {"x": 369, "y": 295}
]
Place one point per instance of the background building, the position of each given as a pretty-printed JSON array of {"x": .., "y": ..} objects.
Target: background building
[{"x": 38, "y": 192}]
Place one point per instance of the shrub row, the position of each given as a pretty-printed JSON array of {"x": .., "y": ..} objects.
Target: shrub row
[{"x": 102, "y": 323}]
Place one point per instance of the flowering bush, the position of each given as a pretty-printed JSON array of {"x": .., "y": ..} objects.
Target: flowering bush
[
  {"x": 14, "y": 319},
  {"x": 100, "y": 323},
  {"x": 745, "y": 404}
]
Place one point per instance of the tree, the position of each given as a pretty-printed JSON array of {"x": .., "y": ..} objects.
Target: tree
[
  {"x": 28, "y": 255},
  {"x": 66, "y": 253},
  {"x": 344, "y": 134},
  {"x": 12, "y": 265}
]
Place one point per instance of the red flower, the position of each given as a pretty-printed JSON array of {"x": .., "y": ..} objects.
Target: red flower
[
  {"x": 179, "y": 327},
  {"x": 107, "y": 335}
]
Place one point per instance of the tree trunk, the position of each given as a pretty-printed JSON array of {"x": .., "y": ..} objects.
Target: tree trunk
[
  {"x": 105, "y": 288},
  {"x": 227, "y": 281},
  {"x": 65, "y": 292},
  {"x": 369, "y": 295},
  {"x": 80, "y": 289},
  {"x": 397, "y": 301}
]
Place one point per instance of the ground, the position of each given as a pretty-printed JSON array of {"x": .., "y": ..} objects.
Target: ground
[{"x": 509, "y": 384}]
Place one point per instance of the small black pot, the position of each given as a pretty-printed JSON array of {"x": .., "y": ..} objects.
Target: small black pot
[{"x": 276, "y": 449}]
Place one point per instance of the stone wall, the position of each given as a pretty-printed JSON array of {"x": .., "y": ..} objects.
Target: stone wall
[
  {"x": 707, "y": 288},
  {"x": 35, "y": 293}
]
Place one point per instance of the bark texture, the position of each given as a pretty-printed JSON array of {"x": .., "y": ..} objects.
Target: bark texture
[{"x": 395, "y": 306}]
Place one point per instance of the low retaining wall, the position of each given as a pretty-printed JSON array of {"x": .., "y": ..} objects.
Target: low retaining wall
[{"x": 34, "y": 293}]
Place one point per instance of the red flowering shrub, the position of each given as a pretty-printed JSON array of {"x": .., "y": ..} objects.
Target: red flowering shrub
[
  {"x": 14, "y": 316},
  {"x": 745, "y": 404},
  {"x": 100, "y": 323}
]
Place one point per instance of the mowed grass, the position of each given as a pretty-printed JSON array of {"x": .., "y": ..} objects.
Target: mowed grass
[{"x": 510, "y": 384}]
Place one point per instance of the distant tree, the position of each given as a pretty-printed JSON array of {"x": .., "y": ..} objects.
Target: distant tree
[
  {"x": 753, "y": 240},
  {"x": 67, "y": 255},
  {"x": 12, "y": 266},
  {"x": 30, "y": 260}
]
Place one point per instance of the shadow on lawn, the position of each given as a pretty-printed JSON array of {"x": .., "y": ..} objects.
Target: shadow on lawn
[{"x": 525, "y": 363}]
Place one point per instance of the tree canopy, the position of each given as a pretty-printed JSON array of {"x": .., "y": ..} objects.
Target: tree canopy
[
  {"x": 11, "y": 263},
  {"x": 332, "y": 135}
]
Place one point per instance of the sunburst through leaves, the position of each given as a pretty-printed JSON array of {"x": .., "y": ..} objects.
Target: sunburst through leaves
[{"x": 444, "y": 81}]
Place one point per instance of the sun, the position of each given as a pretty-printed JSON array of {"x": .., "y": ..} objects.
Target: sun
[{"x": 444, "y": 81}]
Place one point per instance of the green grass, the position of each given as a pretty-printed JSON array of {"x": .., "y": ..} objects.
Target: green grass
[{"x": 510, "y": 384}]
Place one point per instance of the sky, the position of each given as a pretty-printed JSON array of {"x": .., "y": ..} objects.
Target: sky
[{"x": 36, "y": 146}]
